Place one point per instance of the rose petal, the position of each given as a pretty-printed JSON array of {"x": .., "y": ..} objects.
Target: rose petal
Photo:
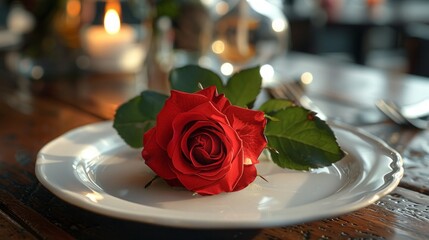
[
  {"x": 155, "y": 157},
  {"x": 228, "y": 183},
  {"x": 218, "y": 100},
  {"x": 205, "y": 115},
  {"x": 178, "y": 102},
  {"x": 185, "y": 164},
  {"x": 249, "y": 125},
  {"x": 206, "y": 149},
  {"x": 174, "y": 182},
  {"x": 181, "y": 165},
  {"x": 249, "y": 175}
]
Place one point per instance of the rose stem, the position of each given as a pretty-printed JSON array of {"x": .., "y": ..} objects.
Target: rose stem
[
  {"x": 150, "y": 182},
  {"x": 263, "y": 178}
]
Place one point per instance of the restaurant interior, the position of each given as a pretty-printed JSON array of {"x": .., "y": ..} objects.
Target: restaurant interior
[{"x": 67, "y": 64}]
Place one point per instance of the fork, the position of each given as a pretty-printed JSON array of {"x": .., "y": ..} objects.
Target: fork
[
  {"x": 406, "y": 115},
  {"x": 295, "y": 92}
]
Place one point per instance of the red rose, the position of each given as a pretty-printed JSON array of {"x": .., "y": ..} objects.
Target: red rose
[{"x": 204, "y": 143}]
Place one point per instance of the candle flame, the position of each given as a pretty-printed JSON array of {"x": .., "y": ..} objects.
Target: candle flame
[
  {"x": 73, "y": 8},
  {"x": 112, "y": 22}
]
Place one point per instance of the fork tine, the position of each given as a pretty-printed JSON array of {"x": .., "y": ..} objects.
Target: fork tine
[
  {"x": 281, "y": 92},
  {"x": 390, "y": 111},
  {"x": 294, "y": 92}
]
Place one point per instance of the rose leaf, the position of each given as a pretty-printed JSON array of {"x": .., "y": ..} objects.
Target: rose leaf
[
  {"x": 135, "y": 117},
  {"x": 300, "y": 140},
  {"x": 274, "y": 105},
  {"x": 188, "y": 79},
  {"x": 243, "y": 87}
]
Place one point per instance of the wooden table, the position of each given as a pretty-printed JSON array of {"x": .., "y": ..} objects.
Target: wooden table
[{"x": 31, "y": 118}]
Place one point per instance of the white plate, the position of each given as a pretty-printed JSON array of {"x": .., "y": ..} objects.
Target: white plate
[{"x": 92, "y": 168}]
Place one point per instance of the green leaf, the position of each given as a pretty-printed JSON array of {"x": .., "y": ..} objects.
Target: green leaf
[
  {"x": 243, "y": 87},
  {"x": 274, "y": 105},
  {"x": 187, "y": 78},
  {"x": 301, "y": 140},
  {"x": 135, "y": 117}
]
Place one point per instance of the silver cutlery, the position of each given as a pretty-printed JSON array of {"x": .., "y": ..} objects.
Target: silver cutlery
[
  {"x": 295, "y": 92},
  {"x": 416, "y": 114}
]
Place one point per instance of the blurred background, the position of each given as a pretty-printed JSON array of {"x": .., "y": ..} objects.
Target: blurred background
[
  {"x": 387, "y": 34},
  {"x": 46, "y": 40}
]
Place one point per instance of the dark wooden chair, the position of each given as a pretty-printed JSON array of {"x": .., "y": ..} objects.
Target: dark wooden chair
[{"x": 417, "y": 48}]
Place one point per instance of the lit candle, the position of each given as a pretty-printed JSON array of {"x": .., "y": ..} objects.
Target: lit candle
[{"x": 113, "y": 46}]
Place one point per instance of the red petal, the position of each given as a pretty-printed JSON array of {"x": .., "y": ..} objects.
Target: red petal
[
  {"x": 228, "y": 183},
  {"x": 249, "y": 175},
  {"x": 155, "y": 157},
  {"x": 178, "y": 102},
  {"x": 249, "y": 125}
]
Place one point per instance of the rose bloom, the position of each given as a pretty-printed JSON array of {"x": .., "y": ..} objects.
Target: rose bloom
[{"x": 204, "y": 143}]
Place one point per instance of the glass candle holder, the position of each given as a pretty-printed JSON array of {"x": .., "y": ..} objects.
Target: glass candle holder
[
  {"x": 115, "y": 35},
  {"x": 247, "y": 33}
]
